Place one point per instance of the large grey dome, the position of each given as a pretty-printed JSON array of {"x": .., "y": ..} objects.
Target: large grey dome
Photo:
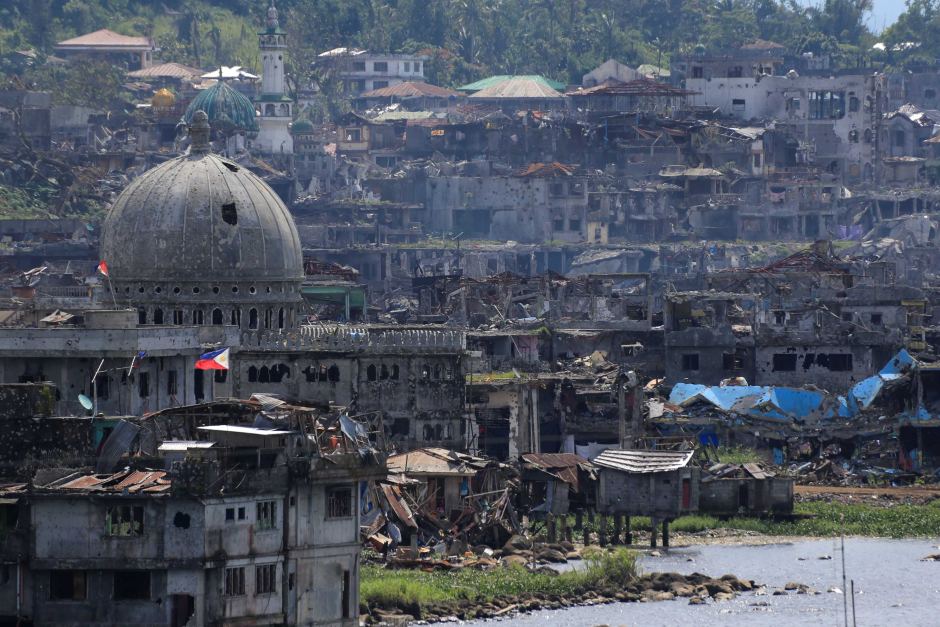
[{"x": 200, "y": 218}]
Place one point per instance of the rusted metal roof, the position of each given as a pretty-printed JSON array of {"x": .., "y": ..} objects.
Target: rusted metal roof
[
  {"x": 643, "y": 461},
  {"x": 545, "y": 170},
  {"x": 565, "y": 466},
  {"x": 130, "y": 481},
  {"x": 435, "y": 461},
  {"x": 638, "y": 87}
]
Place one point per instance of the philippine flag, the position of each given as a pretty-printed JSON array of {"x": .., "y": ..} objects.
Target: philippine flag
[{"x": 216, "y": 360}]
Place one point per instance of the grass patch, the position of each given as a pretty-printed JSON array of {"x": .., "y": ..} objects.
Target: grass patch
[
  {"x": 821, "y": 520},
  {"x": 737, "y": 455},
  {"x": 380, "y": 587}
]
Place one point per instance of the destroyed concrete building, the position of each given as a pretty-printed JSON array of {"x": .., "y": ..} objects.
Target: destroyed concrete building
[{"x": 232, "y": 523}]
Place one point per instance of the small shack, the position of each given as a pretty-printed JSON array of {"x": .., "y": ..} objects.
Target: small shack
[
  {"x": 446, "y": 477},
  {"x": 749, "y": 489},
  {"x": 556, "y": 483},
  {"x": 658, "y": 484}
]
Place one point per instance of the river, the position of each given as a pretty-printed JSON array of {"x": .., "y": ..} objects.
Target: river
[{"x": 892, "y": 587}]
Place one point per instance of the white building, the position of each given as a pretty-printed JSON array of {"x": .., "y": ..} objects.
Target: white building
[
  {"x": 362, "y": 71},
  {"x": 273, "y": 103},
  {"x": 837, "y": 117}
]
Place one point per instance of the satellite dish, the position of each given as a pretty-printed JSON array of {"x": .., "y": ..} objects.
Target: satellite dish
[{"x": 86, "y": 402}]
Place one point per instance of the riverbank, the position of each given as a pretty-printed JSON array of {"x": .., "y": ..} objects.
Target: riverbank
[
  {"x": 399, "y": 596},
  {"x": 821, "y": 516}
]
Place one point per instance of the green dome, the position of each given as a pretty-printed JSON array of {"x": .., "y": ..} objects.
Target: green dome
[
  {"x": 224, "y": 105},
  {"x": 302, "y": 126}
]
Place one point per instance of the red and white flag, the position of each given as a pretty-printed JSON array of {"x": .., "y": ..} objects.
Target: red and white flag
[{"x": 103, "y": 268}]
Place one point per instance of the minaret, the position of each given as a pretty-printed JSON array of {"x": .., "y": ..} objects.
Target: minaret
[{"x": 277, "y": 109}]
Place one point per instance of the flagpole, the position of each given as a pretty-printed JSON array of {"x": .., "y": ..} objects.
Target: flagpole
[{"x": 111, "y": 289}]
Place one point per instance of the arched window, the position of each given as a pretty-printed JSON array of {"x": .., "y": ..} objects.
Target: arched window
[
  {"x": 428, "y": 432},
  {"x": 158, "y": 316},
  {"x": 269, "y": 110},
  {"x": 370, "y": 372},
  {"x": 437, "y": 372},
  {"x": 425, "y": 371},
  {"x": 394, "y": 372},
  {"x": 252, "y": 374},
  {"x": 217, "y": 317},
  {"x": 384, "y": 372},
  {"x": 236, "y": 318},
  {"x": 278, "y": 372},
  {"x": 264, "y": 375},
  {"x": 439, "y": 432},
  {"x": 284, "y": 110},
  {"x": 178, "y": 316},
  {"x": 252, "y": 318},
  {"x": 280, "y": 318},
  {"x": 197, "y": 316},
  {"x": 268, "y": 316},
  {"x": 141, "y": 316},
  {"x": 333, "y": 373}
]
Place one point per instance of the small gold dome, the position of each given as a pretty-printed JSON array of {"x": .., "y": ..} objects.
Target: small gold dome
[{"x": 163, "y": 99}]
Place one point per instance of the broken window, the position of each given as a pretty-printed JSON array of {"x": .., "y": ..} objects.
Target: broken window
[
  {"x": 854, "y": 104},
  {"x": 359, "y": 66},
  {"x": 876, "y": 318},
  {"x": 125, "y": 520},
  {"x": 826, "y": 105},
  {"x": 177, "y": 316},
  {"x": 370, "y": 372},
  {"x": 574, "y": 225},
  {"x": 234, "y": 581},
  {"x": 252, "y": 374},
  {"x": 736, "y": 72},
  {"x": 266, "y": 579},
  {"x": 558, "y": 225},
  {"x": 266, "y": 515},
  {"x": 241, "y": 513},
  {"x": 229, "y": 514},
  {"x": 784, "y": 362},
  {"x": 197, "y": 317},
  {"x": 930, "y": 94},
  {"x": 218, "y": 318},
  {"x": 899, "y": 138},
  {"x": 220, "y": 376},
  {"x": 68, "y": 585},
  {"x": 383, "y": 374},
  {"x": 158, "y": 316},
  {"x": 141, "y": 316},
  {"x": 339, "y": 502},
  {"x": 264, "y": 375},
  {"x": 280, "y": 318},
  {"x": 333, "y": 373},
  {"x": 131, "y": 585},
  {"x": 171, "y": 383},
  {"x": 732, "y": 361},
  {"x": 737, "y": 105},
  {"x": 690, "y": 361},
  {"x": 143, "y": 384},
  {"x": 576, "y": 189},
  {"x": 556, "y": 189},
  {"x": 353, "y": 134},
  {"x": 698, "y": 71},
  {"x": 394, "y": 372},
  {"x": 252, "y": 318},
  {"x": 380, "y": 66},
  {"x": 229, "y": 215},
  {"x": 840, "y": 362}
]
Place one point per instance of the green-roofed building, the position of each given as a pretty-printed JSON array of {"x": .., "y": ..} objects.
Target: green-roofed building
[
  {"x": 502, "y": 78},
  {"x": 227, "y": 109}
]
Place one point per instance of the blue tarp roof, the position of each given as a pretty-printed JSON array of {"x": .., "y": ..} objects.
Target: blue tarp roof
[{"x": 783, "y": 403}]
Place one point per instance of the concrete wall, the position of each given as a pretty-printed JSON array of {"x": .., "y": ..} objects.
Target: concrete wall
[
  {"x": 646, "y": 494},
  {"x": 808, "y": 368}
]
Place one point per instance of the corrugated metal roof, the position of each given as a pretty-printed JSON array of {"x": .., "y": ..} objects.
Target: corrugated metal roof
[
  {"x": 183, "y": 445},
  {"x": 518, "y": 87},
  {"x": 410, "y": 89},
  {"x": 563, "y": 465},
  {"x": 244, "y": 430},
  {"x": 500, "y": 78},
  {"x": 643, "y": 461},
  {"x": 132, "y": 481}
]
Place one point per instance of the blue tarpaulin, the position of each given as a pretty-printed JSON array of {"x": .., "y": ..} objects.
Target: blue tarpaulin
[{"x": 783, "y": 403}]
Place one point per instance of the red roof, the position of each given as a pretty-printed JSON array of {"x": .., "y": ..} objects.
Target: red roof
[
  {"x": 411, "y": 89},
  {"x": 131, "y": 481},
  {"x": 105, "y": 38}
]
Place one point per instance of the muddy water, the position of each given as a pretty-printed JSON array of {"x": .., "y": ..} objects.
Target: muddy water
[{"x": 892, "y": 587}]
